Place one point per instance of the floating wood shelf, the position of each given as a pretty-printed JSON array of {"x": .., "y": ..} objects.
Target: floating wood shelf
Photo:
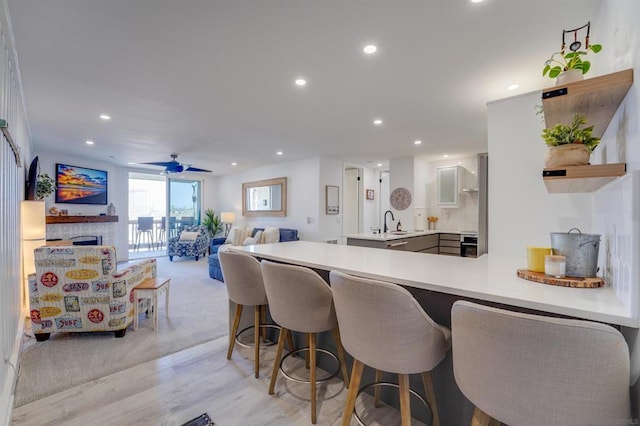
[
  {"x": 581, "y": 178},
  {"x": 80, "y": 219},
  {"x": 596, "y": 98}
]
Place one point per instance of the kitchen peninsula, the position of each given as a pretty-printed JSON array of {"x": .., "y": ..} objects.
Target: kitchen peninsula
[{"x": 490, "y": 278}]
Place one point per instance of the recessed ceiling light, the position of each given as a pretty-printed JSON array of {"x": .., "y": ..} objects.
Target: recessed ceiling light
[
  {"x": 105, "y": 117},
  {"x": 370, "y": 49},
  {"x": 234, "y": 164},
  {"x": 89, "y": 142},
  {"x": 131, "y": 163},
  {"x": 301, "y": 82},
  {"x": 417, "y": 142},
  {"x": 379, "y": 164},
  {"x": 513, "y": 86},
  {"x": 279, "y": 153},
  {"x": 476, "y": 1},
  {"x": 377, "y": 122}
]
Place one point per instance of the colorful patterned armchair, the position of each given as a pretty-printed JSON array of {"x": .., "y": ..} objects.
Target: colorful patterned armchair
[
  {"x": 77, "y": 288},
  {"x": 192, "y": 240}
]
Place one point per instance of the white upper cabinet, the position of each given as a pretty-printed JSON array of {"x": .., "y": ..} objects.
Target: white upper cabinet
[{"x": 448, "y": 186}]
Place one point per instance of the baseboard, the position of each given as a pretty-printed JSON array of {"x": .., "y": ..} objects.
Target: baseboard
[{"x": 8, "y": 390}]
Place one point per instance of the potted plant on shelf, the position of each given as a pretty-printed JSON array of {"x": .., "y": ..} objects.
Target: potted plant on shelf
[
  {"x": 570, "y": 145},
  {"x": 569, "y": 67},
  {"x": 45, "y": 185}
]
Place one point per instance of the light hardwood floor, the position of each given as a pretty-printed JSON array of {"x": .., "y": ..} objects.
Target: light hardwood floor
[{"x": 181, "y": 386}]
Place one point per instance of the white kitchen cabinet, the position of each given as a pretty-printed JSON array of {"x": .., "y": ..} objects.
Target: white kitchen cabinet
[{"x": 448, "y": 178}]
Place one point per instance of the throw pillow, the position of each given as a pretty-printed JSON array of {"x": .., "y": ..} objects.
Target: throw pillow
[
  {"x": 271, "y": 235},
  {"x": 232, "y": 233},
  {"x": 241, "y": 234},
  {"x": 259, "y": 237},
  {"x": 249, "y": 241},
  {"x": 188, "y": 235}
]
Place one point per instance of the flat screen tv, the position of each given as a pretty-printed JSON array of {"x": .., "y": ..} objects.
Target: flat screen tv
[{"x": 79, "y": 185}]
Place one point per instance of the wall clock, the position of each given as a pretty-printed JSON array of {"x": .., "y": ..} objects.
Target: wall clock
[{"x": 400, "y": 198}]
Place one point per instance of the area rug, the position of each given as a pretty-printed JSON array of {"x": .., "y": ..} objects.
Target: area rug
[{"x": 198, "y": 312}]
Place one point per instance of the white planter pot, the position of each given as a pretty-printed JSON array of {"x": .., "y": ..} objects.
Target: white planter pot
[
  {"x": 575, "y": 154},
  {"x": 566, "y": 77}
]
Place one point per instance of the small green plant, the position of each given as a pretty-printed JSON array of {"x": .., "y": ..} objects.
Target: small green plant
[
  {"x": 561, "y": 134},
  {"x": 45, "y": 186},
  {"x": 561, "y": 61},
  {"x": 212, "y": 222}
]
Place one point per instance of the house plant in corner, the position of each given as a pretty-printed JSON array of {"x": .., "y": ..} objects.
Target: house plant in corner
[
  {"x": 212, "y": 222},
  {"x": 45, "y": 185},
  {"x": 570, "y": 145}
]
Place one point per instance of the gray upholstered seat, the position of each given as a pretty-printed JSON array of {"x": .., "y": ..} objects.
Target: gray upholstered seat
[
  {"x": 523, "y": 369},
  {"x": 300, "y": 300},
  {"x": 243, "y": 278},
  {"x": 384, "y": 327}
]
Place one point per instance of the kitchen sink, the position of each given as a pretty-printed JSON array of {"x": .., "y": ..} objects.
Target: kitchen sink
[{"x": 399, "y": 232}]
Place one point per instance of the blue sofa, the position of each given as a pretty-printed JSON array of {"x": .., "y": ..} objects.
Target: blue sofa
[{"x": 215, "y": 271}]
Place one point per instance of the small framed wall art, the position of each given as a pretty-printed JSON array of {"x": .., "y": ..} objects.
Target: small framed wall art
[
  {"x": 370, "y": 194},
  {"x": 333, "y": 199}
]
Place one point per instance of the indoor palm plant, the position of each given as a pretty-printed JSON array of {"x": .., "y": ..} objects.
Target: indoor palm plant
[
  {"x": 212, "y": 222},
  {"x": 569, "y": 145}
]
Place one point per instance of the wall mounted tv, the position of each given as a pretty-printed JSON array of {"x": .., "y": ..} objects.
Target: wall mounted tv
[{"x": 79, "y": 185}]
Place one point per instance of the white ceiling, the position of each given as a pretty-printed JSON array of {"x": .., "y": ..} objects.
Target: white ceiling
[{"x": 213, "y": 80}]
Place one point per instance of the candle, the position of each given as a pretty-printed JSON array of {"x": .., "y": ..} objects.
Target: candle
[{"x": 555, "y": 265}]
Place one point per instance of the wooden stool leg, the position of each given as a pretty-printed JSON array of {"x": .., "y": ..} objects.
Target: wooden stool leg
[
  {"x": 290, "y": 342},
  {"x": 234, "y": 330},
  {"x": 312, "y": 359},
  {"x": 376, "y": 391},
  {"x": 480, "y": 418},
  {"x": 256, "y": 340},
  {"x": 405, "y": 403},
  {"x": 354, "y": 384},
  {"x": 431, "y": 396},
  {"x": 343, "y": 361},
  {"x": 306, "y": 355},
  {"x": 263, "y": 320},
  {"x": 276, "y": 363}
]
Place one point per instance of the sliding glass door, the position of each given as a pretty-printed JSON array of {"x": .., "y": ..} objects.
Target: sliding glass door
[{"x": 183, "y": 203}]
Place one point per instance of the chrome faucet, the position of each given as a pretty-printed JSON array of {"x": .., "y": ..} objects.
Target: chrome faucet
[{"x": 386, "y": 228}]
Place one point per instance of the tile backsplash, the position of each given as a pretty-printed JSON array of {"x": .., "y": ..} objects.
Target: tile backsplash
[
  {"x": 616, "y": 216},
  {"x": 464, "y": 217}
]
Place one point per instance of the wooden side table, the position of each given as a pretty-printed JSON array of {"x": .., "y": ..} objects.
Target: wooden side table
[{"x": 149, "y": 289}]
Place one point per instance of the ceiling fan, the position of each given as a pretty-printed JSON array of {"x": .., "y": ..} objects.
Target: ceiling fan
[{"x": 174, "y": 167}]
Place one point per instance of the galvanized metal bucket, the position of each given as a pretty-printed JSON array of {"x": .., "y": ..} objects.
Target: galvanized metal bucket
[{"x": 581, "y": 251}]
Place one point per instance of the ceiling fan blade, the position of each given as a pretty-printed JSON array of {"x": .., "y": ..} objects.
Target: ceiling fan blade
[
  {"x": 160, "y": 163},
  {"x": 195, "y": 169}
]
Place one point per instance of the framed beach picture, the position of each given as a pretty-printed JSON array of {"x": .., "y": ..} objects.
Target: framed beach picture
[{"x": 80, "y": 185}]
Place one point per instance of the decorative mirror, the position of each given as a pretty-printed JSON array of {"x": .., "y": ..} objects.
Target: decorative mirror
[
  {"x": 333, "y": 199},
  {"x": 265, "y": 197}
]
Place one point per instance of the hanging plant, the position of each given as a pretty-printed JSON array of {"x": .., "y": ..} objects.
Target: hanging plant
[{"x": 45, "y": 186}]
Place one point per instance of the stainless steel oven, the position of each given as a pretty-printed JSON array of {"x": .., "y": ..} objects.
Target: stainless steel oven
[{"x": 469, "y": 243}]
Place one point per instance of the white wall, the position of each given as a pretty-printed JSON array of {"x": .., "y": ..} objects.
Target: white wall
[
  {"x": 329, "y": 227},
  {"x": 401, "y": 172},
  {"x": 305, "y": 195},
  {"x": 521, "y": 211},
  {"x": 370, "y": 211}
]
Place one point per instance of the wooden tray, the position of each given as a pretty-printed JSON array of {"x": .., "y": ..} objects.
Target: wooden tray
[{"x": 564, "y": 282}]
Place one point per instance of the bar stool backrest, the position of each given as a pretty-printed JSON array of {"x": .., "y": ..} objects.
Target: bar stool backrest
[
  {"x": 526, "y": 369},
  {"x": 145, "y": 223},
  {"x": 243, "y": 278},
  {"x": 382, "y": 325},
  {"x": 299, "y": 299}
]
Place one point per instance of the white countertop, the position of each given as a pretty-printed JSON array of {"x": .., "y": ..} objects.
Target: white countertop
[
  {"x": 489, "y": 277},
  {"x": 389, "y": 236}
]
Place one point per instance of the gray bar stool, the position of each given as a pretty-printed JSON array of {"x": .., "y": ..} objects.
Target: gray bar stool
[
  {"x": 300, "y": 300},
  {"x": 524, "y": 369},
  {"x": 384, "y": 327},
  {"x": 243, "y": 278}
]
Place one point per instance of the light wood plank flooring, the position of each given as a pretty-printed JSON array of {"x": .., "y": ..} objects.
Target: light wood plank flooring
[{"x": 181, "y": 386}]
